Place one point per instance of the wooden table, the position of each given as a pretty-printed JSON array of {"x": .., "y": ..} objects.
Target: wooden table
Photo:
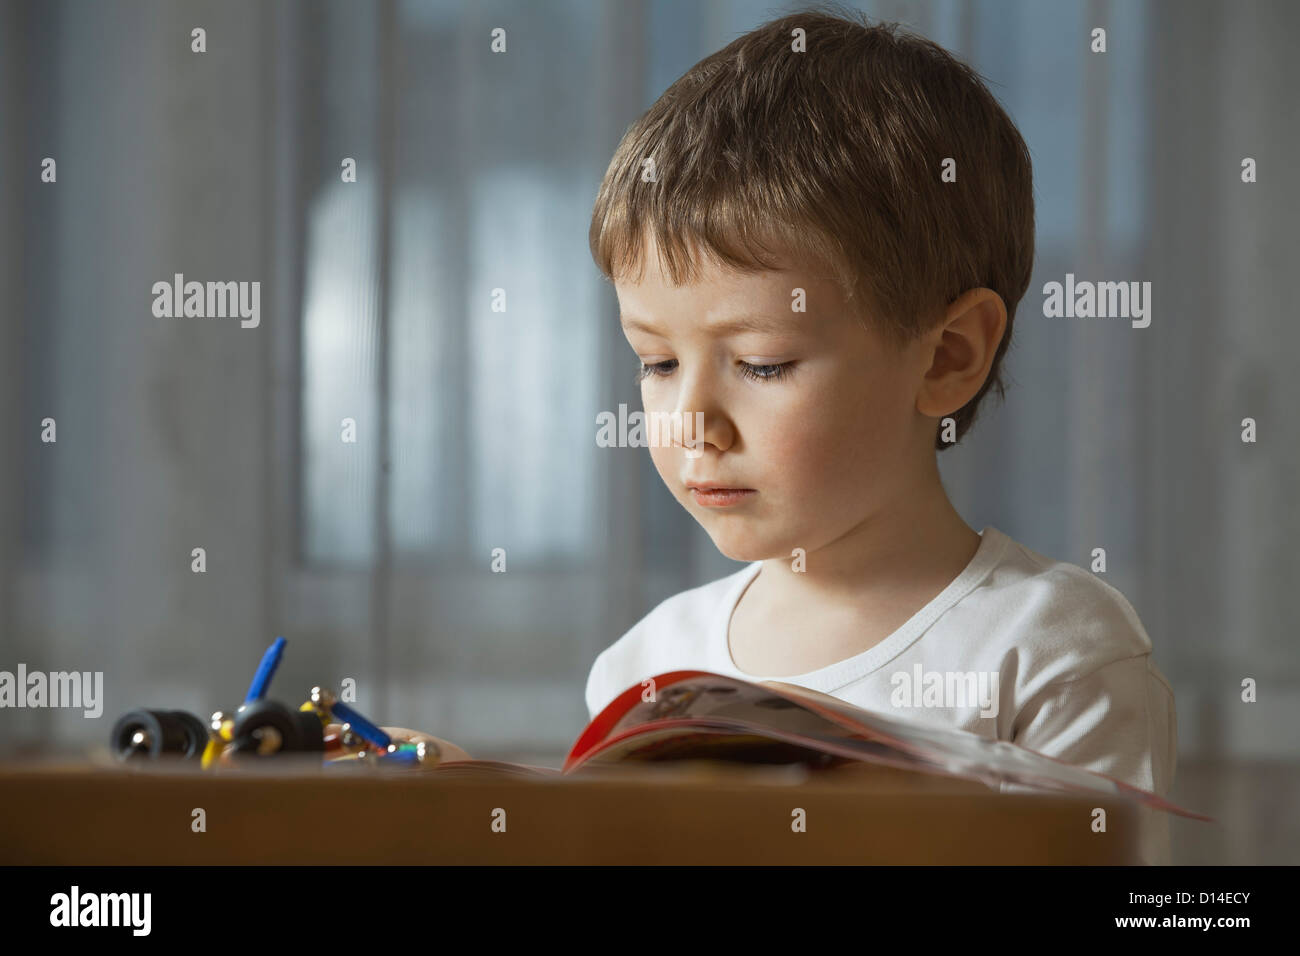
[{"x": 82, "y": 814}]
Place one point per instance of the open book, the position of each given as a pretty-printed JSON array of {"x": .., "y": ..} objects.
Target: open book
[{"x": 699, "y": 715}]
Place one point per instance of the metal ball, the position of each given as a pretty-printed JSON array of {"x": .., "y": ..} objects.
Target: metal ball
[{"x": 322, "y": 698}]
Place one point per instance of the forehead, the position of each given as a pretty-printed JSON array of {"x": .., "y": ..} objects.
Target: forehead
[{"x": 760, "y": 301}]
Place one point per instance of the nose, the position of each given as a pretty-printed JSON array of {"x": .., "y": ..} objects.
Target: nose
[{"x": 699, "y": 415}]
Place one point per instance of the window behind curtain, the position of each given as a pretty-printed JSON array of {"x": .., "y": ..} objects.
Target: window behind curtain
[{"x": 490, "y": 415}]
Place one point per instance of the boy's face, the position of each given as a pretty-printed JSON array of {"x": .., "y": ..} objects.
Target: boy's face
[{"x": 809, "y": 412}]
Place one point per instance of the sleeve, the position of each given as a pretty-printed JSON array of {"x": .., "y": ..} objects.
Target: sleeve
[{"x": 1118, "y": 720}]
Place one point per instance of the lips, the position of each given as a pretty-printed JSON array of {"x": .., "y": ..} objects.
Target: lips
[{"x": 711, "y": 495}]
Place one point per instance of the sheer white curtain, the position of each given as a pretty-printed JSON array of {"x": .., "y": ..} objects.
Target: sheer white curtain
[
  {"x": 486, "y": 370},
  {"x": 476, "y": 428}
]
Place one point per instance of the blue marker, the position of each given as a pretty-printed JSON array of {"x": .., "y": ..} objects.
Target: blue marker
[
  {"x": 265, "y": 671},
  {"x": 360, "y": 726}
]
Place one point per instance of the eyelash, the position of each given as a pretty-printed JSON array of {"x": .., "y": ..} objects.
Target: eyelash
[{"x": 757, "y": 373}]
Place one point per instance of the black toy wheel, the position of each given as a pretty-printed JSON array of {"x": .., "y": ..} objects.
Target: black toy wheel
[
  {"x": 264, "y": 728},
  {"x": 148, "y": 734}
]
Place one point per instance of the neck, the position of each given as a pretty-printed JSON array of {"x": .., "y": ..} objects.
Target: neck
[{"x": 915, "y": 541}]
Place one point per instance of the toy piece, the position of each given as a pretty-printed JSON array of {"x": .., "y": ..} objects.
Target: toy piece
[
  {"x": 419, "y": 754},
  {"x": 265, "y": 671},
  {"x": 222, "y": 728},
  {"x": 327, "y": 703},
  {"x": 152, "y": 733},
  {"x": 265, "y": 727},
  {"x": 261, "y": 728}
]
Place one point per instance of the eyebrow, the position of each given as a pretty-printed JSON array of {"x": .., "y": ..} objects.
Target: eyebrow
[{"x": 736, "y": 323}]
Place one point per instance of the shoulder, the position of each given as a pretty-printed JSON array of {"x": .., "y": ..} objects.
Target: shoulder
[
  {"x": 1059, "y": 621},
  {"x": 1087, "y": 690},
  {"x": 672, "y": 636}
]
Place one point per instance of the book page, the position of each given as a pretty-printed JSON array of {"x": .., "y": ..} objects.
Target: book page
[{"x": 696, "y": 699}]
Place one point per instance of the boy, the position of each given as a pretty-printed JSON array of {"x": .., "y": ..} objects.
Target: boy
[{"x": 818, "y": 237}]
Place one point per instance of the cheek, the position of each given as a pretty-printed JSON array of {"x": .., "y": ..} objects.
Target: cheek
[
  {"x": 665, "y": 461},
  {"x": 656, "y": 400},
  {"x": 831, "y": 441}
]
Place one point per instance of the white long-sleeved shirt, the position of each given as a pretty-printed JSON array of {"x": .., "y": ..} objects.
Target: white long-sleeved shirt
[{"x": 1054, "y": 659}]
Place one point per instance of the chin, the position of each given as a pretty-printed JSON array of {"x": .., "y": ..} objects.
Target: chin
[{"x": 744, "y": 547}]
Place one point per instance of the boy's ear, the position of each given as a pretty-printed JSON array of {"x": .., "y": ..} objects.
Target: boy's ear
[{"x": 961, "y": 350}]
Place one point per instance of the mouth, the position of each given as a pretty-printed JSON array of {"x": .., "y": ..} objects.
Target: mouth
[{"x": 717, "y": 496}]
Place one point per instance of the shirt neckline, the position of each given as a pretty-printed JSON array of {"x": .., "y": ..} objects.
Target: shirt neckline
[{"x": 993, "y": 544}]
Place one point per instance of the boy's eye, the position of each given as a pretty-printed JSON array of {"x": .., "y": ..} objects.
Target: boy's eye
[
  {"x": 758, "y": 373},
  {"x": 765, "y": 373},
  {"x": 657, "y": 369}
]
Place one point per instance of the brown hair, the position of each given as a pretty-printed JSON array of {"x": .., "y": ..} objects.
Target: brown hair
[{"x": 833, "y": 158}]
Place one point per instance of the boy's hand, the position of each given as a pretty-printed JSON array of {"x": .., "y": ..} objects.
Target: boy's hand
[{"x": 448, "y": 750}]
